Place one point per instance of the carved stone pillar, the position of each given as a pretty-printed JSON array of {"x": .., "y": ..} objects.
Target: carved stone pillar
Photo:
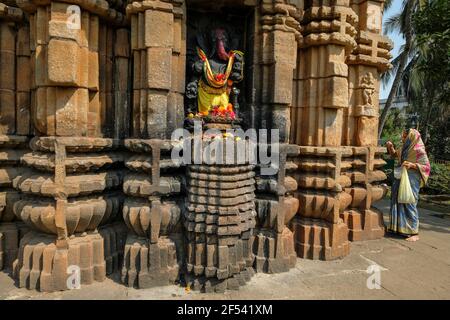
[
  {"x": 219, "y": 219},
  {"x": 280, "y": 31},
  {"x": 157, "y": 34},
  {"x": 276, "y": 206},
  {"x": 321, "y": 98},
  {"x": 319, "y": 231},
  {"x": 366, "y": 63},
  {"x": 369, "y": 59},
  {"x": 277, "y": 31},
  {"x": 363, "y": 171},
  {"x": 69, "y": 194},
  {"x": 154, "y": 249},
  {"x": 14, "y": 122},
  {"x": 321, "y": 74}
]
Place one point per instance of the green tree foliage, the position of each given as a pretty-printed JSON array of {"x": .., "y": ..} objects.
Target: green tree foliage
[
  {"x": 429, "y": 78},
  {"x": 393, "y": 128},
  {"x": 439, "y": 181},
  {"x": 423, "y": 68},
  {"x": 438, "y": 144},
  {"x": 432, "y": 28},
  {"x": 401, "y": 22}
]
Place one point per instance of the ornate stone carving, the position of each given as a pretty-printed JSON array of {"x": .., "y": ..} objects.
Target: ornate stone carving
[
  {"x": 69, "y": 198},
  {"x": 215, "y": 68},
  {"x": 154, "y": 246},
  {"x": 97, "y": 106},
  {"x": 219, "y": 219},
  {"x": 15, "y": 103}
]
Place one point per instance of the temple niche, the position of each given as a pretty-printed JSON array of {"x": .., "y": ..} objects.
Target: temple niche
[{"x": 91, "y": 93}]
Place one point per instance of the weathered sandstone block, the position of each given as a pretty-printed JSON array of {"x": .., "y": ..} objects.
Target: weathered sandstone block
[
  {"x": 153, "y": 250},
  {"x": 311, "y": 71}
]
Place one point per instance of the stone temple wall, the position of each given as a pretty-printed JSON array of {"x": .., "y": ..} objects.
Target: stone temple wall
[
  {"x": 15, "y": 122},
  {"x": 86, "y": 117},
  {"x": 334, "y": 118}
]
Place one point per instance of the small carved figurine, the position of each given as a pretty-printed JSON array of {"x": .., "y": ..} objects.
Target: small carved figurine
[
  {"x": 368, "y": 83},
  {"x": 211, "y": 92}
]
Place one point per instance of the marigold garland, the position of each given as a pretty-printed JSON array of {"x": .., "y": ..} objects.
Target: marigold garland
[{"x": 217, "y": 80}]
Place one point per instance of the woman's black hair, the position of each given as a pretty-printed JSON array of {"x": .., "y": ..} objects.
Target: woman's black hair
[{"x": 412, "y": 122}]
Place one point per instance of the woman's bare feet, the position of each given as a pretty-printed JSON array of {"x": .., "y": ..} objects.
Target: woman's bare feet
[{"x": 412, "y": 238}]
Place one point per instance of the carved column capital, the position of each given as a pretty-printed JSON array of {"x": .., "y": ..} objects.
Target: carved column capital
[
  {"x": 100, "y": 7},
  {"x": 278, "y": 15},
  {"x": 329, "y": 25},
  {"x": 8, "y": 13}
]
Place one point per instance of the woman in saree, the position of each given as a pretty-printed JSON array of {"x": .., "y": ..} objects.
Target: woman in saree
[{"x": 404, "y": 218}]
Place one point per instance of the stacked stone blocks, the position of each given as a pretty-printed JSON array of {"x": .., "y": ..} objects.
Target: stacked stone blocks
[
  {"x": 100, "y": 103},
  {"x": 15, "y": 126}
]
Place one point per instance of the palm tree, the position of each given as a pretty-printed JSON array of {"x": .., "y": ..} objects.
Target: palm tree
[
  {"x": 426, "y": 76},
  {"x": 423, "y": 72},
  {"x": 401, "y": 22}
]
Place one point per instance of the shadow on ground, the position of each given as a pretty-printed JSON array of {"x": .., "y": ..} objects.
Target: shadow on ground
[{"x": 418, "y": 270}]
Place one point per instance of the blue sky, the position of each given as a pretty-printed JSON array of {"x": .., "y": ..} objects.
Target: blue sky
[{"x": 396, "y": 39}]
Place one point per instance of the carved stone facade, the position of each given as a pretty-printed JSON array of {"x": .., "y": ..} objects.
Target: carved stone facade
[
  {"x": 15, "y": 126},
  {"x": 335, "y": 121},
  {"x": 90, "y": 94}
]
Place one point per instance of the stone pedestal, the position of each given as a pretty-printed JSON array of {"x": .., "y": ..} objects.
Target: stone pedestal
[
  {"x": 64, "y": 202},
  {"x": 74, "y": 177},
  {"x": 53, "y": 274},
  {"x": 150, "y": 264},
  {"x": 320, "y": 100},
  {"x": 219, "y": 219},
  {"x": 274, "y": 253},
  {"x": 45, "y": 266},
  {"x": 363, "y": 169},
  {"x": 319, "y": 239},
  {"x": 323, "y": 234}
]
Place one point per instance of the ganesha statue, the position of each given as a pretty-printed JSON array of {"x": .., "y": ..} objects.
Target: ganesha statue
[{"x": 215, "y": 69}]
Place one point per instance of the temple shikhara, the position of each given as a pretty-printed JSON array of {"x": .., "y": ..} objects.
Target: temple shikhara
[{"x": 91, "y": 92}]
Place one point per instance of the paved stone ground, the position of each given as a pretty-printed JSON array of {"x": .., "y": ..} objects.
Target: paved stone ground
[{"x": 418, "y": 270}]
